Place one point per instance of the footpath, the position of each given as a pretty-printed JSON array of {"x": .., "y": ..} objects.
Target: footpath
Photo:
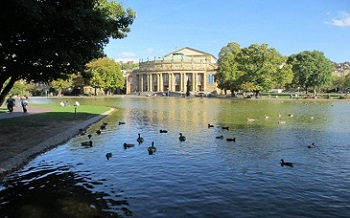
[{"x": 20, "y": 159}]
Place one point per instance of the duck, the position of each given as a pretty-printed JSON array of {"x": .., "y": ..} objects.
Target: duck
[
  {"x": 279, "y": 115},
  {"x": 105, "y": 123},
  {"x": 288, "y": 164},
  {"x": 231, "y": 139},
  {"x": 108, "y": 155},
  {"x": 312, "y": 145},
  {"x": 103, "y": 127},
  {"x": 163, "y": 131},
  {"x": 182, "y": 137},
  {"x": 210, "y": 126},
  {"x": 266, "y": 117},
  {"x": 98, "y": 132},
  {"x": 139, "y": 139},
  {"x": 121, "y": 123},
  {"x": 82, "y": 131},
  {"x": 89, "y": 136},
  {"x": 290, "y": 115},
  {"x": 87, "y": 144},
  {"x": 219, "y": 137},
  {"x": 281, "y": 122},
  {"x": 250, "y": 119},
  {"x": 151, "y": 149},
  {"x": 126, "y": 145},
  {"x": 225, "y": 127}
]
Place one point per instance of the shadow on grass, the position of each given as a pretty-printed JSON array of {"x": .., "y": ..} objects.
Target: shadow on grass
[{"x": 43, "y": 119}]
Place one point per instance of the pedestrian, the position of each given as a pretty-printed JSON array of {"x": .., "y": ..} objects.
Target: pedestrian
[
  {"x": 10, "y": 103},
  {"x": 24, "y": 103}
]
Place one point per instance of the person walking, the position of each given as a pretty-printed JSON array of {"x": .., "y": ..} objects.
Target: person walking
[
  {"x": 10, "y": 103},
  {"x": 24, "y": 103}
]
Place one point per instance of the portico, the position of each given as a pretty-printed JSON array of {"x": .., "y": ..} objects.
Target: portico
[{"x": 173, "y": 71}]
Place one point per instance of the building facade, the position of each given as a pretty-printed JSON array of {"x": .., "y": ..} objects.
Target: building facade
[{"x": 184, "y": 71}]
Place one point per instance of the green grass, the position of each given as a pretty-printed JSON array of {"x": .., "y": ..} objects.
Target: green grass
[{"x": 57, "y": 113}]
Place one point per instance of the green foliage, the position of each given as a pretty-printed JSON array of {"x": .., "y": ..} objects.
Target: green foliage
[
  {"x": 255, "y": 68},
  {"x": 61, "y": 84},
  {"x": 105, "y": 74},
  {"x": 47, "y": 40},
  {"x": 228, "y": 73},
  {"x": 311, "y": 70}
]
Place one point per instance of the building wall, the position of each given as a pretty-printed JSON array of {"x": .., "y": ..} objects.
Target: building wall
[{"x": 181, "y": 71}]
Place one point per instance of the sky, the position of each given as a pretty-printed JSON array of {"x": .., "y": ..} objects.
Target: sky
[{"x": 290, "y": 26}]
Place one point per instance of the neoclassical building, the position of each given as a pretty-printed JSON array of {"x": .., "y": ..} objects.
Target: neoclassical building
[{"x": 184, "y": 70}]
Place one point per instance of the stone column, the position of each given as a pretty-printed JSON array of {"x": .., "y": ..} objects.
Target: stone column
[
  {"x": 161, "y": 86},
  {"x": 205, "y": 79},
  {"x": 150, "y": 84},
  {"x": 141, "y": 83},
  {"x": 194, "y": 82}
]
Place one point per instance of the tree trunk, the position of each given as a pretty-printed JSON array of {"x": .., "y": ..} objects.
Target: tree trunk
[{"x": 6, "y": 90}]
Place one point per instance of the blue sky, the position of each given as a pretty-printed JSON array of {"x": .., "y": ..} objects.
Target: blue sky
[{"x": 290, "y": 26}]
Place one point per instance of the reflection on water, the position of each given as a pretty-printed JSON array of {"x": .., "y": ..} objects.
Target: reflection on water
[{"x": 201, "y": 177}]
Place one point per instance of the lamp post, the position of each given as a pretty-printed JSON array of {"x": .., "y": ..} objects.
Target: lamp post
[
  {"x": 298, "y": 91},
  {"x": 75, "y": 112}
]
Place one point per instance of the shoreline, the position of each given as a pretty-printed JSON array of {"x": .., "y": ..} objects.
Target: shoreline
[{"x": 14, "y": 163}]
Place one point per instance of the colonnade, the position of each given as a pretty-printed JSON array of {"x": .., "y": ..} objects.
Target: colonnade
[{"x": 173, "y": 82}]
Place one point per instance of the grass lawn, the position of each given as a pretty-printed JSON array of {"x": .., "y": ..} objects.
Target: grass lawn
[{"x": 56, "y": 114}]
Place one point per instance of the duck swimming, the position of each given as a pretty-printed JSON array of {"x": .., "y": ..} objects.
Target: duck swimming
[
  {"x": 219, "y": 137},
  {"x": 139, "y": 139},
  {"x": 121, "y": 123},
  {"x": 87, "y": 144},
  {"x": 151, "y": 149},
  {"x": 126, "y": 145},
  {"x": 312, "y": 145},
  {"x": 231, "y": 139},
  {"x": 163, "y": 131},
  {"x": 210, "y": 125},
  {"x": 225, "y": 127},
  {"x": 182, "y": 138},
  {"x": 108, "y": 155},
  {"x": 98, "y": 132},
  {"x": 288, "y": 164}
]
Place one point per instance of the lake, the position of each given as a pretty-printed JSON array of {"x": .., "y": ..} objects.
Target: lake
[{"x": 204, "y": 176}]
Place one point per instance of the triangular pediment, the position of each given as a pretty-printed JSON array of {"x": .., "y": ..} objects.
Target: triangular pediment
[{"x": 190, "y": 52}]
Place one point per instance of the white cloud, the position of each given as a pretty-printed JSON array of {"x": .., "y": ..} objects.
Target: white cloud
[
  {"x": 127, "y": 54},
  {"x": 149, "y": 50},
  {"x": 343, "y": 20}
]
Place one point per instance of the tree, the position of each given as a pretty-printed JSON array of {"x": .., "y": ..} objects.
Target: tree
[
  {"x": 228, "y": 72},
  {"x": 45, "y": 40},
  {"x": 311, "y": 70},
  {"x": 105, "y": 74},
  {"x": 61, "y": 84},
  {"x": 252, "y": 69},
  {"x": 264, "y": 68}
]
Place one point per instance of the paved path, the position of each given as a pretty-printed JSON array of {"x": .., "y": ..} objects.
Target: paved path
[{"x": 18, "y": 112}]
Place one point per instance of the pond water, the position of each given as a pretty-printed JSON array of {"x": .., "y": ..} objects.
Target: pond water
[{"x": 203, "y": 176}]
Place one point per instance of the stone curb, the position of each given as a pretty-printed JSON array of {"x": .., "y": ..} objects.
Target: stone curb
[{"x": 23, "y": 158}]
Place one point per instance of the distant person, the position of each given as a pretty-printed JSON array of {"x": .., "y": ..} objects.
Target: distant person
[
  {"x": 62, "y": 104},
  {"x": 10, "y": 103},
  {"x": 24, "y": 103},
  {"x": 66, "y": 103},
  {"x": 77, "y": 103}
]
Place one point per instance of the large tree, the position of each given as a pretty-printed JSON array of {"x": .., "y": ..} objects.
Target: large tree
[
  {"x": 228, "y": 71},
  {"x": 252, "y": 69},
  {"x": 105, "y": 74},
  {"x": 311, "y": 70},
  {"x": 49, "y": 39}
]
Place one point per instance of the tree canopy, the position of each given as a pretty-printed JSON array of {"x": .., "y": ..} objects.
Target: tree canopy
[
  {"x": 252, "y": 69},
  {"x": 311, "y": 70},
  {"x": 46, "y": 40},
  {"x": 106, "y": 74}
]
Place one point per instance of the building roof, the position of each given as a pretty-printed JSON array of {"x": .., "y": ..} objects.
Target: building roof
[{"x": 189, "y": 53}]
